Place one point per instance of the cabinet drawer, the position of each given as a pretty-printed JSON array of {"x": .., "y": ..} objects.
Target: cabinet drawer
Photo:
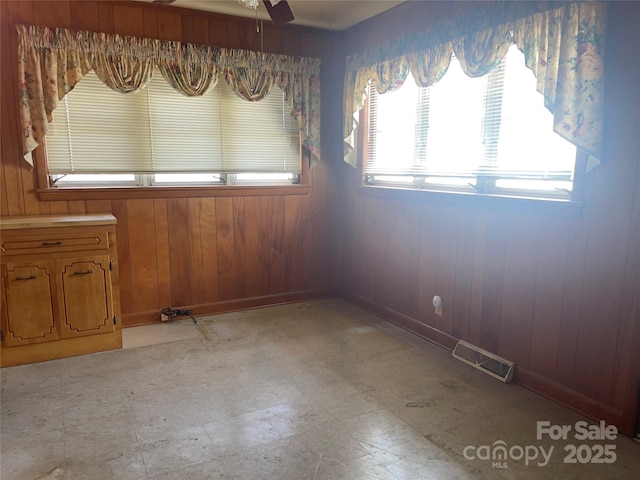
[{"x": 54, "y": 243}]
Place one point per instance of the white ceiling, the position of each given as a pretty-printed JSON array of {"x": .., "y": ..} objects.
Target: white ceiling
[{"x": 329, "y": 14}]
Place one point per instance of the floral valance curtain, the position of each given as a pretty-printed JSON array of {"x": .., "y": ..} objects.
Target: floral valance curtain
[
  {"x": 563, "y": 44},
  {"x": 52, "y": 61}
]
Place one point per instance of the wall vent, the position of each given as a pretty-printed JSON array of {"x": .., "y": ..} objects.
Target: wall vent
[{"x": 484, "y": 361}]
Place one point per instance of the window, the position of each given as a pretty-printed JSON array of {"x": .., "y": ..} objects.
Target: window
[
  {"x": 485, "y": 135},
  {"x": 159, "y": 137}
]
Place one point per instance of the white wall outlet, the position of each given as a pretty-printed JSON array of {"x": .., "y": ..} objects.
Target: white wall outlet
[{"x": 437, "y": 304}]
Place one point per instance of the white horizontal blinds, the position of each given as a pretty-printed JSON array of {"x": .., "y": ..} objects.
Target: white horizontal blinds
[
  {"x": 528, "y": 145},
  {"x": 258, "y": 137},
  {"x": 97, "y": 130},
  {"x": 492, "y": 117},
  {"x": 186, "y": 132},
  {"x": 392, "y": 127},
  {"x": 454, "y": 136},
  {"x": 493, "y": 125}
]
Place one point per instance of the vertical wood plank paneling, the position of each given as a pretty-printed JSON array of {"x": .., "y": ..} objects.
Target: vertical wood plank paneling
[
  {"x": 84, "y": 16},
  {"x": 307, "y": 241},
  {"x": 477, "y": 276},
  {"x": 128, "y": 20},
  {"x": 382, "y": 236},
  {"x": 169, "y": 25},
  {"x": 492, "y": 281},
  {"x": 365, "y": 246},
  {"x": 98, "y": 206},
  {"x": 76, "y": 206},
  {"x": 59, "y": 207},
  {"x": 217, "y": 32},
  {"x": 446, "y": 266},
  {"x": 105, "y": 17},
  {"x": 353, "y": 261},
  {"x": 119, "y": 208},
  {"x": 164, "y": 253},
  {"x": 463, "y": 275},
  {"x": 239, "y": 247},
  {"x": 291, "y": 42},
  {"x": 56, "y": 14},
  {"x": 293, "y": 253},
  {"x": 549, "y": 290},
  {"x": 571, "y": 313},
  {"x": 188, "y": 33},
  {"x": 225, "y": 239},
  {"x": 180, "y": 248},
  {"x": 273, "y": 41},
  {"x": 604, "y": 277},
  {"x": 429, "y": 226},
  {"x": 271, "y": 233},
  {"x": 597, "y": 336},
  {"x": 150, "y": 22},
  {"x": 255, "y": 281},
  {"x": 143, "y": 254},
  {"x": 233, "y": 35},
  {"x": 249, "y": 35},
  {"x": 32, "y": 204},
  {"x": 404, "y": 271},
  {"x": 201, "y": 27},
  {"x": 202, "y": 237},
  {"x": 518, "y": 290}
]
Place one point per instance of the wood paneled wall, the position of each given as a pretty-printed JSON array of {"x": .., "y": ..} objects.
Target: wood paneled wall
[
  {"x": 557, "y": 294},
  {"x": 208, "y": 253}
]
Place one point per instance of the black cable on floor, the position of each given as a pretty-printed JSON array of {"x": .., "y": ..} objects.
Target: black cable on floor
[{"x": 174, "y": 312}]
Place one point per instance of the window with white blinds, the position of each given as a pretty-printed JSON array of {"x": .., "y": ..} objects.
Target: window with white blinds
[
  {"x": 486, "y": 134},
  {"x": 158, "y": 130}
]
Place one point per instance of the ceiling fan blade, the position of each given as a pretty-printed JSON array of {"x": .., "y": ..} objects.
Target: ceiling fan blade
[{"x": 280, "y": 13}]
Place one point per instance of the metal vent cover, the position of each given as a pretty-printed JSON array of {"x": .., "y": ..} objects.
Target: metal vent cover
[{"x": 484, "y": 361}]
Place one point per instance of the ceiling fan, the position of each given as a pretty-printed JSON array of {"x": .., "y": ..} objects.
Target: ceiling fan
[{"x": 278, "y": 10}]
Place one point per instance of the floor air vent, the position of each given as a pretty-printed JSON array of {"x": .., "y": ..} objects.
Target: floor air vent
[{"x": 485, "y": 361}]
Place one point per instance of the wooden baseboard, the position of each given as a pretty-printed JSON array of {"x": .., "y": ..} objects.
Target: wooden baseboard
[
  {"x": 404, "y": 321},
  {"x": 590, "y": 408},
  {"x": 542, "y": 386},
  {"x": 69, "y": 347},
  {"x": 153, "y": 316}
]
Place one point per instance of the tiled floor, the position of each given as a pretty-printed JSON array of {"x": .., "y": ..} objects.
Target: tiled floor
[{"x": 316, "y": 390}]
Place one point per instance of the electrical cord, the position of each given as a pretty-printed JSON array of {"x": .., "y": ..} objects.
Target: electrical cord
[{"x": 174, "y": 312}]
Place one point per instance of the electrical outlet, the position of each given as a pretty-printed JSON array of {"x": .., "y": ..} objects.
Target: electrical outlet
[{"x": 437, "y": 305}]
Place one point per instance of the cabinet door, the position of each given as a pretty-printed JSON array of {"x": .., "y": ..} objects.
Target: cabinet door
[
  {"x": 30, "y": 303},
  {"x": 85, "y": 289}
]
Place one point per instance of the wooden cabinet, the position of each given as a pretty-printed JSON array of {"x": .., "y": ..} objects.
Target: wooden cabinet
[{"x": 59, "y": 287}]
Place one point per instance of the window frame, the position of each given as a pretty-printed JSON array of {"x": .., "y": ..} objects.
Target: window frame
[
  {"x": 496, "y": 197},
  {"x": 46, "y": 192},
  {"x": 566, "y": 207},
  {"x": 144, "y": 185}
]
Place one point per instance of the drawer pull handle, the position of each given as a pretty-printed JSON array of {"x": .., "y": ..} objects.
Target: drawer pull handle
[
  {"x": 88, "y": 272},
  {"x": 32, "y": 277},
  {"x": 51, "y": 244}
]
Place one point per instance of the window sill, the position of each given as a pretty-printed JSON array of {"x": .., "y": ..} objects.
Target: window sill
[
  {"x": 121, "y": 193},
  {"x": 530, "y": 205}
]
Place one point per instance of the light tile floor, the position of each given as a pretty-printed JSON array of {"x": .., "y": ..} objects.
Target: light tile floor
[{"x": 314, "y": 390}]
